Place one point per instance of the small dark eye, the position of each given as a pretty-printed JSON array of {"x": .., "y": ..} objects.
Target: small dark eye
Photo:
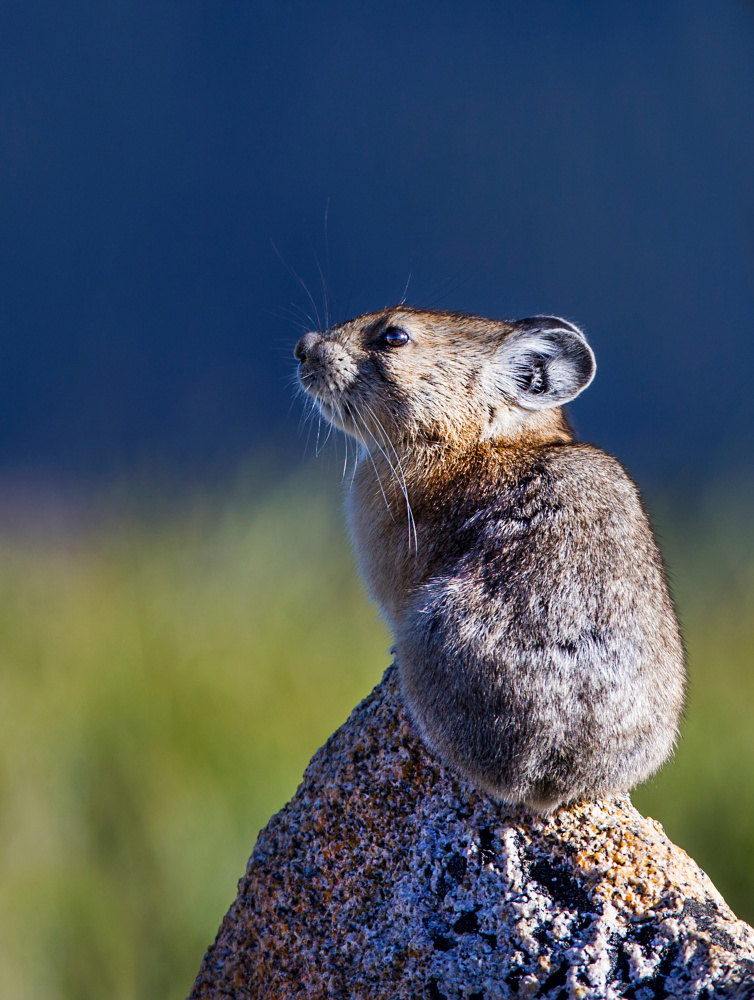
[{"x": 394, "y": 337}]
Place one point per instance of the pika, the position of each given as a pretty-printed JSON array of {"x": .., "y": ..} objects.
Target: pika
[{"x": 537, "y": 645}]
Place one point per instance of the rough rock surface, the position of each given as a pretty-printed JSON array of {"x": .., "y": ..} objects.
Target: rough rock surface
[{"x": 388, "y": 877}]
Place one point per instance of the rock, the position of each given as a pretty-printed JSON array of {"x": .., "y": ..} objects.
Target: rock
[{"x": 387, "y": 876}]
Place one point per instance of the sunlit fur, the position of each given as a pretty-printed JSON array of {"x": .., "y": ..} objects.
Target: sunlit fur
[{"x": 537, "y": 645}]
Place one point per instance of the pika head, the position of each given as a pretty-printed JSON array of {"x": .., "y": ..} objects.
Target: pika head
[{"x": 425, "y": 375}]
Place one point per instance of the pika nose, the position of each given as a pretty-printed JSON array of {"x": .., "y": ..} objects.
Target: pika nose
[{"x": 305, "y": 347}]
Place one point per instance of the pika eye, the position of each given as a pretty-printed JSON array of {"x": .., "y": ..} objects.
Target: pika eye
[{"x": 394, "y": 336}]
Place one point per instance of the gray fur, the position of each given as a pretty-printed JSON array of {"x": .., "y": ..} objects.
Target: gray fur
[
  {"x": 535, "y": 637},
  {"x": 543, "y": 659}
]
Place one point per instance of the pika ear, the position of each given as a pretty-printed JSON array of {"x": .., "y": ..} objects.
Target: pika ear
[{"x": 543, "y": 362}]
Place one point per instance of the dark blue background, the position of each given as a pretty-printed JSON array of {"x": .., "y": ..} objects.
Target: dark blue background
[{"x": 594, "y": 159}]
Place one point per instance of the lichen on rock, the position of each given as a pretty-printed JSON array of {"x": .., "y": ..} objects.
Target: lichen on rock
[{"x": 387, "y": 876}]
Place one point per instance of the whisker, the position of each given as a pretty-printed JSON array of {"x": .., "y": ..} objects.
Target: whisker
[
  {"x": 285, "y": 314},
  {"x": 348, "y": 307},
  {"x": 449, "y": 286},
  {"x": 307, "y": 417},
  {"x": 402, "y": 480},
  {"x": 294, "y": 397},
  {"x": 346, "y": 441},
  {"x": 325, "y": 302},
  {"x": 345, "y": 459},
  {"x": 323, "y": 283},
  {"x": 360, "y": 421},
  {"x": 300, "y": 309},
  {"x": 310, "y": 409},
  {"x": 319, "y": 428},
  {"x": 405, "y": 290},
  {"x": 300, "y": 281},
  {"x": 327, "y": 264},
  {"x": 330, "y": 428},
  {"x": 298, "y": 319}
]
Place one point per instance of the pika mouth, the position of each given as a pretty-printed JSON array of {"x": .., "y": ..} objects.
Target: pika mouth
[
  {"x": 317, "y": 385},
  {"x": 338, "y": 414},
  {"x": 322, "y": 394},
  {"x": 331, "y": 400},
  {"x": 320, "y": 384}
]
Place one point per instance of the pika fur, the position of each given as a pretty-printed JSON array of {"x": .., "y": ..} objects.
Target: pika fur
[{"x": 537, "y": 646}]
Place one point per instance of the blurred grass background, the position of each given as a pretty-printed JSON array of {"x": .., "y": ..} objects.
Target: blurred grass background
[{"x": 166, "y": 673}]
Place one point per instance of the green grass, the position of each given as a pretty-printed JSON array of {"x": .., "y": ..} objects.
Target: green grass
[
  {"x": 163, "y": 686},
  {"x": 705, "y": 796},
  {"x": 164, "y": 680}
]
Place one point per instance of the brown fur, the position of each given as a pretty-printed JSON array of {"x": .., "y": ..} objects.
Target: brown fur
[{"x": 537, "y": 645}]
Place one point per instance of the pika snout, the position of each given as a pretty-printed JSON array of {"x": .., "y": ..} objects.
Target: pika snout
[{"x": 325, "y": 367}]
